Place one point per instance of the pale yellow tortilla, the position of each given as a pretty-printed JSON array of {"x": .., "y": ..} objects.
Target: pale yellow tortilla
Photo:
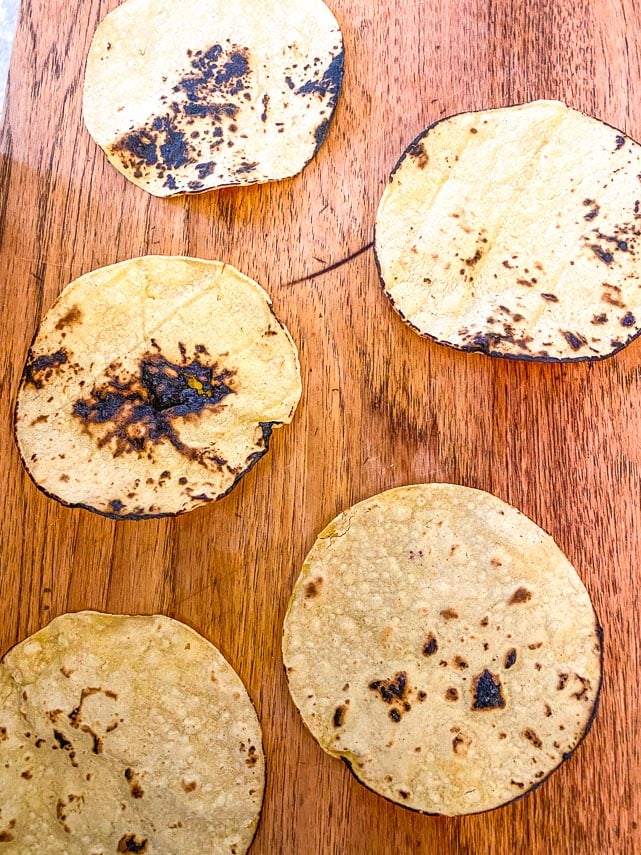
[
  {"x": 441, "y": 644},
  {"x": 153, "y": 385},
  {"x": 515, "y": 232},
  {"x": 125, "y": 734},
  {"x": 187, "y": 95}
]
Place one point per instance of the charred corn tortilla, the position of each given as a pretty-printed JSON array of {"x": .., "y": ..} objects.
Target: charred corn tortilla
[
  {"x": 441, "y": 644},
  {"x": 187, "y": 95},
  {"x": 125, "y": 734},
  {"x": 153, "y": 385},
  {"x": 515, "y": 232}
]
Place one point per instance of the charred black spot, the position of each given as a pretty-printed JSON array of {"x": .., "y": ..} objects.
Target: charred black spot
[
  {"x": 487, "y": 692},
  {"x": 575, "y": 341},
  {"x": 263, "y": 115},
  {"x": 510, "y": 658},
  {"x": 602, "y": 254},
  {"x": 62, "y": 742},
  {"x": 393, "y": 689},
  {"x": 620, "y": 142},
  {"x": 629, "y": 320},
  {"x": 116, "y": 505},
  {"x": 321, "y": 132},
  {"x": 246, "y": 167},
  {"x": 431, "y": 645},
  {"x": 143, "y": 408},
  {"x": 205, "y": 169},
  {"x": 395, "y": 715},
  {"x": 43, "y": 363},
  {"x": 130, "y": 843},
  {"x": 339, "y": 715},
  {"x": 600, "y": 319},
  {"x": 328, "y": 84}
]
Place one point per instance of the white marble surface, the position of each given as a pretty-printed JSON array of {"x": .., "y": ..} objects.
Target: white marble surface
[{"x": 8, "y": 17}]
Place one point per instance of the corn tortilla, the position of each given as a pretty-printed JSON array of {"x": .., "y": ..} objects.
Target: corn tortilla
[
  {"x": 126, "y": 734},
  {"x": 441, "y": 644},
  {"x": 515, "y": 232},
  {"x": 153, "y": 386},
  {"x": 187, "y": 95}
]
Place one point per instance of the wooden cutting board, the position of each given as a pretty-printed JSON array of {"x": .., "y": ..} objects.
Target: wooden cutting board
[{"x": 381, "y": 407}]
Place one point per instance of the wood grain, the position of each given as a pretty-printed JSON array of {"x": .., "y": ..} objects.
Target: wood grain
[{"x": 380, "y": 408}]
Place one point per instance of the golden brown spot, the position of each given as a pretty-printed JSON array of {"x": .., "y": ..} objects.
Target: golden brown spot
[
  {"x": 188, "y": 786},
  {"x": 72, "y": 317},
  {"x": 460, "y": 663},
  {"x": 563, "y": 678},
  {"x": 521, "y": 595},
  {"x": 532, "y": 737},
  {"x": 137, "y": 791},
  {"x": 485, "y": 621},
  {"x": 312, "y": 588},
  {"x": 449, "y": 614},
  {"x": 451, "y": 694},
  {"x": 27, "y": 774},
  {"x": 495, "y": 562},
  {"x": 548, "y": 710}
]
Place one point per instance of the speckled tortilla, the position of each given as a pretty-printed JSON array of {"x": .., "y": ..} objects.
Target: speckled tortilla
[
  {"x": 441, "y": 644},
  {"x": 153, "y": 386},
  {"x": 187, "y": 95},
  {"x": 515, "y": 232},
  {"x": 126, "y": 734}
]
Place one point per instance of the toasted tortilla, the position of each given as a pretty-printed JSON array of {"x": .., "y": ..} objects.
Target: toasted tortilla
[
  {"x": 187, "y": 95},
  {"x": 441, "y": 644},
  {"x": 153, "y": 386},
  {"x": 515, "y": 232},
  {"x": 126, "y": 734}
]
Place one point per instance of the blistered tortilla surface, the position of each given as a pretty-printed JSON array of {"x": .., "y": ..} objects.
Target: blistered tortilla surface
[
  {"x": 440, "y": 643},
  {"x": 153, "y": 385},
  {"x": 125, "y": 734},
  {"x": 187, "y": 95},
  {"x": 515, "y": 232}
]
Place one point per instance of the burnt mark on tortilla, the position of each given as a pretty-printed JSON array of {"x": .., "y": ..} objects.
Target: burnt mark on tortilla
[
  {"x": 393, "y": 691},
  {"x": 487, "y": 692},
  {"x": 135, "y": 787},
  {"x": 532, "y": 737},
  {"x": 141, "y": 411},
  {"x": 430, "y": 646},
  {"x": 73, "y": 316},
  {"x": 328, "y": 84},
  {"x": 593, "y": 212},
  {"x": 451, "y": 694},
  {"x": 312, "y": 588},
  {"x": 521, "y": 595},
  {"x": 75, "y": 716},
  {"x": 339, "y": 715},
  {"x": 563, "y": 679},
  {"x": 551, "y": 298},
  {"x": 602, "y": 254},
  {"x": 600, "y": 319},
  {"x": 620, "y": 142},
  {"x": 628, "y": 320},
  {"x": 510, "y": 658},
  {"x": 37, "y": 371},
  {"x": 449, "y": 614},
  {"x": 265, "y": 102},
  {"x": 211, "y": 90},
  {"x": 130, "y": 843},
  {"x": 419, "y": 155},
  {"x": 65, "y": 744}
]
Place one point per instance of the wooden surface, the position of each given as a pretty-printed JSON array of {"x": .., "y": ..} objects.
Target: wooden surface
[{"x": 380, "y": 407}]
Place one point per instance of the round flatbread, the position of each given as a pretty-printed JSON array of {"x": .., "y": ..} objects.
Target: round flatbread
[
  {"x": 126, "y": 734},
  {"x": 187, "y": 95},
  {"x": 441, "y": 644},
  {"x": 515, "y": 232},
  {"x": 153, "y": 386}
]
